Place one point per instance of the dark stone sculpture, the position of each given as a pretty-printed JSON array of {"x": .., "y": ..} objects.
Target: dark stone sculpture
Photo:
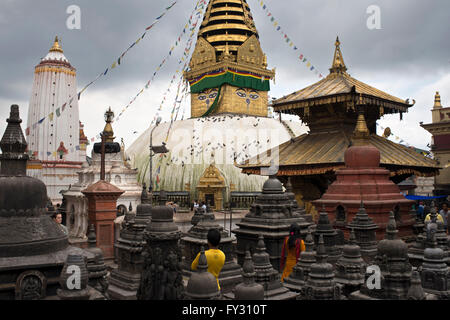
[
  {"x": 125, "y": 280},
  {"x": 350, "y": 268},
  {"x": 333, "y": 238},
  {"x": 71, "y": 287},
  {"x": 415, "y": 291},
  {"x": 202, "y": 285},
  {"x": 267, "y": 276},
  {"x": 33, "y": 248},
  {"x": 271, "y": 215},
  {"x": 394, "y": 267},
  {"x": 161, "y": 277},
  {"x": 435, "y": 274},
  {"x": 297, "y": 279},
  {"x": 196, "y": 237},
  {"x": 365, "y": 233},
  {"x": 96, "y": 267},
  {"x": 320, "y": 284},
  {"x": 249, "y": 289},
  {"x": 296, "y": 210}
]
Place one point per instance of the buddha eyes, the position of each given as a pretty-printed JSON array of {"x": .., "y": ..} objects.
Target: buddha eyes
[
  {"x": 213, "y": 95},
  {"x": 253, "y": 96},
  {"x": 241, "y": 94},
  {"x": 202, "y": 97}
]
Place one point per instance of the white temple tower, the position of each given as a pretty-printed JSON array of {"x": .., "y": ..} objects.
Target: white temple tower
[{"x": 53, "y": 128}]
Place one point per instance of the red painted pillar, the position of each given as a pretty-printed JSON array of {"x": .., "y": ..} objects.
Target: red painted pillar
[{"x": 102, "y": 202}]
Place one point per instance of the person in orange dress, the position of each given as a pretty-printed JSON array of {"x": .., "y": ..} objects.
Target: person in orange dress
[{"x": 293, "y": 245}]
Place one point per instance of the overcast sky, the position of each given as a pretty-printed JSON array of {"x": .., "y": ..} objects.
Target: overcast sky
[{"x": 408, "y": 57}]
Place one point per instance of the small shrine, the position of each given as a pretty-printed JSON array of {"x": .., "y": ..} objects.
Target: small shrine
[
  {"x": 270, "y": 215},
  {"x": 211, "y": 187}
]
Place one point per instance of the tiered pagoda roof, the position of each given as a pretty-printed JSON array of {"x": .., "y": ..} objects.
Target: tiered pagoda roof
[{"x": 330, "y": 108}]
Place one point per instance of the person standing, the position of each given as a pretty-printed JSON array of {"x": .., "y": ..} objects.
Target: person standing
[
  {"x": 293, "y": 245},
  {"x": 214, "y": 256},
  {"x": 421, "y": 211}
]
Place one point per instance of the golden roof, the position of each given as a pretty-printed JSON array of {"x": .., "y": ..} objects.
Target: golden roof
[
  {"x": 56, "y": 47},
  {"x": 339, "y": 83},
  {"x": 318, "y": 153}
]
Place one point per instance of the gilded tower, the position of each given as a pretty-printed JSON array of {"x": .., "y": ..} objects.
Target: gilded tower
[{"x": 228, "y": 70}]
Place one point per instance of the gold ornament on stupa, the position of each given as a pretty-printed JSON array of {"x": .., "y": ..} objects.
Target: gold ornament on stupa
[
  {"x": 108, "y": 130},
  {"x": 228, "y": 69},
  {"x": 56, "y": 47}
]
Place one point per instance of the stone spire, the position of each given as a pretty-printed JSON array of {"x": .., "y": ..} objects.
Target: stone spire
[
  {"x": 297, "y": 279},
  {"x": 415, "y": 291},
  {"x": 267, "y": 276},
  {"x": 365, "y": 233},
  {"x": 249, "y": 289},
  {"x": 331, "y": 236},
  {"x": 338, "y": 65},
  {"x": 350, "y": 268},
  {"x": 69, "y": 293},
  {"x": 96, "y": 267},
  {"x": 320, "y": 284},
  {"x": 13, "y": 145},
  {"x": 296, "y": 210},
  {"x": 202, "y": 285},
  {"x": 437, "y": 101}
]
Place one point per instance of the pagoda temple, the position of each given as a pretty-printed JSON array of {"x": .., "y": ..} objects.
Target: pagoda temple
[
  {"x": 440, "y": 145},
  {"x": 56, "y": 141},
  {"x": 330, "y": 108}
]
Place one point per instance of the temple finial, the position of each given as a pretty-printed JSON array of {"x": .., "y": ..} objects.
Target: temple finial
[
  {"x": 56, "y": 46},
  {"x": 437, "y": 101},
  {"x": 361, "y": 132},
  {"x": 108, "y": 130},
  {"x": 338, "y": 65}
]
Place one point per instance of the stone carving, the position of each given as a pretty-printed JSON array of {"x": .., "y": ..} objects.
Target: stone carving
[
  {"x": 74, "y": 279},
  {"x": 31, "y": 285},
  {"x": 320, "y": 284},
  {"x": 202, "y": 285},
  {"x": 96, "y": 267},
  {"x": 161, "y": 277},
  {"x": 333, "y": 242},
  {"x": 271, "y": 215},
  {"x": 249, "y": 289}
]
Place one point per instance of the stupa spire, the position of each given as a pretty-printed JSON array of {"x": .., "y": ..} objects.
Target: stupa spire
[
  {"x": 361, "y": 133},
  {"x": 56, "y": 47},
  {"x": 338, "y": 65},
  {"x": 437, "y": 101}
]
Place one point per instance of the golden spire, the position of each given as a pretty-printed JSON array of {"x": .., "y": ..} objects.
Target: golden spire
[
  {"x": 361, "y": 133},
  {"x": 338, "y": 65},
  {"x": 108, "y": 130},
  {"x": 56, "y": 47},
  {"x": 437, "y": 101}
]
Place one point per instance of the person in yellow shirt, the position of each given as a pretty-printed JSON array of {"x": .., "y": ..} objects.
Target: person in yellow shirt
[
  {"x": 438, "y": 218},
  {"x": 214, "y": 256}
]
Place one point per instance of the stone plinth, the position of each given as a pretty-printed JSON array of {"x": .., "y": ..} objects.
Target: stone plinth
[
  {"x": 362, "y": 179},
  {"x": 196, "y": 237},
  {"x": 271, "y": 215},
  {"x": 102, "y": 198}
]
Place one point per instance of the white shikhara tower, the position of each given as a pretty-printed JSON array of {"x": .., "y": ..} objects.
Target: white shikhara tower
[{"x": 53, "y": 128}]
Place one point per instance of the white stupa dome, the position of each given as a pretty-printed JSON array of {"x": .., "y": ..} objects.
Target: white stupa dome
[{"x": 196, "y": 143}]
